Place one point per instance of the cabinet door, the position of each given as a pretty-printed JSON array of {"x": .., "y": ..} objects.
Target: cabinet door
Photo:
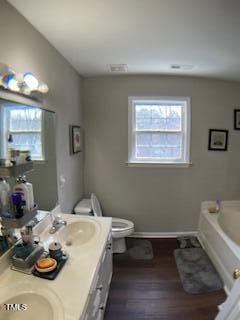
[
  {"x": 93, "y": 305},
  {"x": 100, "y": 314},
  {"x": 99, "y": 294}
]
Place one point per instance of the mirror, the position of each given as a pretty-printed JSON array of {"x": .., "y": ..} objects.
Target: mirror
[{"x": 26, "y": 126}]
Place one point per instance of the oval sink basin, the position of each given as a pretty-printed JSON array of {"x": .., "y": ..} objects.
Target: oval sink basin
[
  {"x": 30, "y": 303},
  {"x": 78, "y": 233}
]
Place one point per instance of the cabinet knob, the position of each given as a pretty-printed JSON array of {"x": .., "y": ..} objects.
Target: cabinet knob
[{"x": 100, "y": 287}]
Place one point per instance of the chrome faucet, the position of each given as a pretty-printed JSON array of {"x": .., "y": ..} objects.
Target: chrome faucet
[{"x": 58, "y": 222}]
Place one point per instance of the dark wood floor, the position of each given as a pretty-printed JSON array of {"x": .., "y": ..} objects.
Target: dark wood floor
[{"x": 152, "y": 290}]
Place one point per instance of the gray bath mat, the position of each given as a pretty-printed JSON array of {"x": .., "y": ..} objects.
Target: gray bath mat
[
  {"x": 188, "y": 242},
  {"x": 196, "y": 271},
  {"x": 137, "y": 249}
]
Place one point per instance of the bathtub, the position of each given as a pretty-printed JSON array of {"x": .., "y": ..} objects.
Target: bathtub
[{"x": 219, "y": 234}]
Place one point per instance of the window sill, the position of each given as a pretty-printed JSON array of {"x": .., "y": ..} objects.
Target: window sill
[{"x": 159, "y": 165}]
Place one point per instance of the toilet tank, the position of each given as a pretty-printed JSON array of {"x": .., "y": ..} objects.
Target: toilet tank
[{"x": 83, "y": 207}]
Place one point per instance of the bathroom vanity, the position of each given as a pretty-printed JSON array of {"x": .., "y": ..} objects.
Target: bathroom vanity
[{"x": 80, "y": 290}]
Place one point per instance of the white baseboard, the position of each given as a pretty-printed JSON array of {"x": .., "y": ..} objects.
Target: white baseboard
[{"x": 162, "y": 234}]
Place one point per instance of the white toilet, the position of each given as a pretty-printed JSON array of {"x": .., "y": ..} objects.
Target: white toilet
[{"x": 121, "y": 228}]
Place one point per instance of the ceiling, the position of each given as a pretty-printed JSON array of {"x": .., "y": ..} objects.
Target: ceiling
[{"x": 147, "y": 35}]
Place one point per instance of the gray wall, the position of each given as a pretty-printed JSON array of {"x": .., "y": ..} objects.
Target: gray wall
[
  {"x": 159, "y": 199},
  {"x": 25, "y": 49}
]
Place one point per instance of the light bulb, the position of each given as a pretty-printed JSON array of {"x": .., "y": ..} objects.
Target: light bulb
[
  {"x": 11, "y": 83},
  {"x": 30, "y": 80},
  {"x": 43, "y": 88}
]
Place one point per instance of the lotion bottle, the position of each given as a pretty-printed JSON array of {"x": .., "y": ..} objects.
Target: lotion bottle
[
  {"x": 30, "y": 191},
  {"x": 20, "y": 187}
]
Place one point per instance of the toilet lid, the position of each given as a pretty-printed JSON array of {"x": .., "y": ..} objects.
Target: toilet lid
[
  {"x": 97, "y": 211},
  {"x": 121, "y": 224}
]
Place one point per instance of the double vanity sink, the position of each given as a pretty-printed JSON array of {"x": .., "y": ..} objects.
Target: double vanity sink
[{"x": 74, "y": 294}]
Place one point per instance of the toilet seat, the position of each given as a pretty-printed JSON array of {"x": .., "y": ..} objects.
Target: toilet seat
[{"x": 121, "y": 228}]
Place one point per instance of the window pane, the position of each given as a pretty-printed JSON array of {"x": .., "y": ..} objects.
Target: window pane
[
  {"x": 143, "y": 139},
  {"x": 167, "y": 152},
  {"x": 160, "y": 152},
  {"x": 158, "y": 117},
  {"x": 166, "y": 140},
  {"x": 143, "y": 152},
  {"x": 28, "y": 141},
  {"x": 25, "y": 119},
  {"x": 158, "y": 145},
  {"x": 159, "y": 139}
]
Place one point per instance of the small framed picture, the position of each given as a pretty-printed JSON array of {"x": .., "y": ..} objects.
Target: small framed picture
[
  {"x": 236, "y": 119},
  {"x": 75, "y": 139},
  {"x": 218, "y": 140}
]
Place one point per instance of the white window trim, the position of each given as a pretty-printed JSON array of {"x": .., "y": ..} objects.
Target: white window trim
[{"x": 132, "y": 162}]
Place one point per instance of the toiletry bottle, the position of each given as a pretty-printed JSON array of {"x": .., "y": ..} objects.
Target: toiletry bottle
[
  {"x": 30, "y": 191},
  {"x": 218, "y": 206},
  {"x": 1, "y": 190},
  {"x": 9, "y": 149},
  {"x": 3, "y": 244},
  {"x": 20, "y": 187},
  {"x": 4, "y": 195},
  {"x": 17, "y": 204}
]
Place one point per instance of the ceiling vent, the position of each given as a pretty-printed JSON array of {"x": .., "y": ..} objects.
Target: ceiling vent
[
  {"x": 117, "y": 68},
  {"x": 181, "y": 66}
]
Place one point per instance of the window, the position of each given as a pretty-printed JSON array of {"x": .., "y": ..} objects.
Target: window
[
  {"x": 25, "y": 125},
  {"x": 159, "y": 130}
]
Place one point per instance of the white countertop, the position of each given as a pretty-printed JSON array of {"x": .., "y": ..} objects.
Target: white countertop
[{"x": 74, "y": 282}]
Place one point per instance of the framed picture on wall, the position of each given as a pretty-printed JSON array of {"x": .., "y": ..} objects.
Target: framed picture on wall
[
  {"x": 75, "y": 139},
  {"x": 218, "y": 140},
  {"x": 236, "y": 119}
]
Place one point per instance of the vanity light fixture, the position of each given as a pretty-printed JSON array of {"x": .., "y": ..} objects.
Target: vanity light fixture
[{"x": 24, "y": 83}]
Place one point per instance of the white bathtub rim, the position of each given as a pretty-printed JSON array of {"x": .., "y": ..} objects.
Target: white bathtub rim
[
  {"x": 223, "y": 204},
  {"x": 213, "y": 219}
]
